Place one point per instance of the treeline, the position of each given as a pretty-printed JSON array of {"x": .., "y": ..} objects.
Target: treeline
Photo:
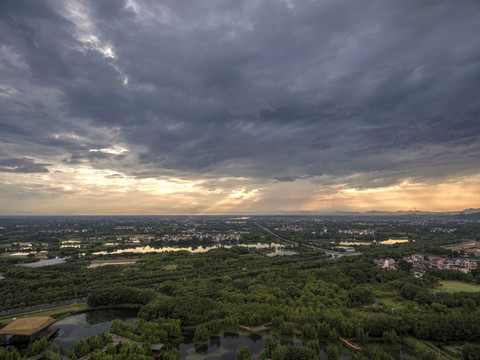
[
  {"x": 248, "y": 288},
  {"x": 119, "y": 296},
  {"x": 473, "y": 277},
  {"x": 150, "y": 332}
]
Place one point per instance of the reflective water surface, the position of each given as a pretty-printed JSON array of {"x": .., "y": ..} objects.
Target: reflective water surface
[
  {"x": 200, "y": 249},
  {"x": 82, "y": 326}
]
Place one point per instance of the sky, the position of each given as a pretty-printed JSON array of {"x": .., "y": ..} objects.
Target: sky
[{"x": 239, "y": 107}]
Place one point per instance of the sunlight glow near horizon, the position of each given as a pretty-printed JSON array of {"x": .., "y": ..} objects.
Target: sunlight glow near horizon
[{"x": 83, "y": 190}]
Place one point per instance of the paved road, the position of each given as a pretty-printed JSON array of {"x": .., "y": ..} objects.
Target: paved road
[
  {"x": 42, "y": 307},
  {"x": 439, "y": 354},
  {"x": 296, "y": 243}
]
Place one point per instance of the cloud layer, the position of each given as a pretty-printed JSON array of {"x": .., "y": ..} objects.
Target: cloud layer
[{"x": 238, "y": 97}]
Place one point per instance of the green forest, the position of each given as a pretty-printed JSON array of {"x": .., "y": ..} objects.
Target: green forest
[{"x": 309, "y": 296}]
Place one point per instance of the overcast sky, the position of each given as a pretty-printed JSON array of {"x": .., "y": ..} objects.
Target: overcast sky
[{"x": 223, "y": 107}]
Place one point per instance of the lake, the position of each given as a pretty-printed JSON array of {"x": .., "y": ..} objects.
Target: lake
[
  {"x": 200, "y": 249},
  {"x": 393, "y": 241}
]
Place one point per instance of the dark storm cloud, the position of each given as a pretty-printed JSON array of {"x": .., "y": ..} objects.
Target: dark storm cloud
[
  {"x": 372, "y": 91},
  {"x": 21, "y": 165}
]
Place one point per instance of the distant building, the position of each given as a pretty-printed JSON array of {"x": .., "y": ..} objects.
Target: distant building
[
  {"x": 417, "y": 257},
  {"x": 436, "y": 262}
]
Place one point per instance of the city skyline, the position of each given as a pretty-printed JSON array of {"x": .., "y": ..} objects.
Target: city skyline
[{"x": 226, "y": 107}]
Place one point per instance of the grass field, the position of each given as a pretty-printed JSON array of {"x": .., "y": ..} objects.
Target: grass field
[
  {"x": 393, "y": 303},
  {"x": 456, "y": 286},
  {"x": 55, "y": 312}
]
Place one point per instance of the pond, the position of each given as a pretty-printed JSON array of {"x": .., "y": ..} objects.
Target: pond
[
  {"x": 48, "y": 262},
  {"x": 84, "y": 325},
  {"x": 280, "y": 252},
  {"x": 81, "y": 326}
]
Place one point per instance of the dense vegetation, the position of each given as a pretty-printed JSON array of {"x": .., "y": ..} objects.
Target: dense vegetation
[{"x": 306, "y": 295}]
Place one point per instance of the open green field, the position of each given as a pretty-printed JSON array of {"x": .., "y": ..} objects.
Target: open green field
[
  {"x": 456, "y": 286},
  {"x": 55, "y": 312},
  {"x": 393, "y": 303}
]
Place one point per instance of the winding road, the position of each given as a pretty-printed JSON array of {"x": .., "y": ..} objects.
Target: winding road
[{"x": 333, "y": 253}]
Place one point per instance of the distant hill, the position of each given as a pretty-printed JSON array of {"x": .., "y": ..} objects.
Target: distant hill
[
  {"x": 470, "y": 211},
  {"x": 469, "y": 214}
]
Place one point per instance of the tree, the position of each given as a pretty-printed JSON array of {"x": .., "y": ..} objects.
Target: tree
[
  {"x": 427, "y": 355},
  {"x": 80, "y": 348},
  {"x": 202, "y": 334},
  {"x": 214, "y": 327},
  {"x": 405, "y": 265},
  {"x": 231, "y": 320},
  {"x": 111, "y": 349},
  {"x": 308, "y": 332},
  {"x": 243, "y": 353},
  {"x": 379, "y": 354},
  {"x": 360, "y": 296},
  {"x": 277, "y": 321},
  {"x": 271, "y": 344},
  {"x": 424, "y": 297},
  {"x": 361, "y": 336},
  {"x": 172, "y": 354},
  {"x": 409, "y": 291},
  {"x": 286, "y": 329},
  {"x": 359, "y": 356},
  {"x": 37, "y": 347},
  {"x": 390, "y": 337},
  {"x": 314, "y": 345},
  {"x": 469, "y": 306},
  {"x": 11, "y": 354},
  {"x": 333, "y": 335},
  {"x": 471, "y": 352},
  {"x": 324, "y": 330},
  {"x": 332, "y": 351}
]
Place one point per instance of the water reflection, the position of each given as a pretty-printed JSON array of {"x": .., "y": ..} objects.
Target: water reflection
[
  {"x": 215, "y": 341},
  {"x": 282, "y": 252},
  {"x": 393, "y": 241},
  {"x": 222, "y": 347},
  {"x": 45, "y": 263},
  {"x": 350, "y": 243},
  {"x": 255, "y": 337},
  {"x": 82, "y": 326},
  {"x": 229, "y": 335},
  {"x": 192, "y": 249},
  {"x": 294, "y": 342}
]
